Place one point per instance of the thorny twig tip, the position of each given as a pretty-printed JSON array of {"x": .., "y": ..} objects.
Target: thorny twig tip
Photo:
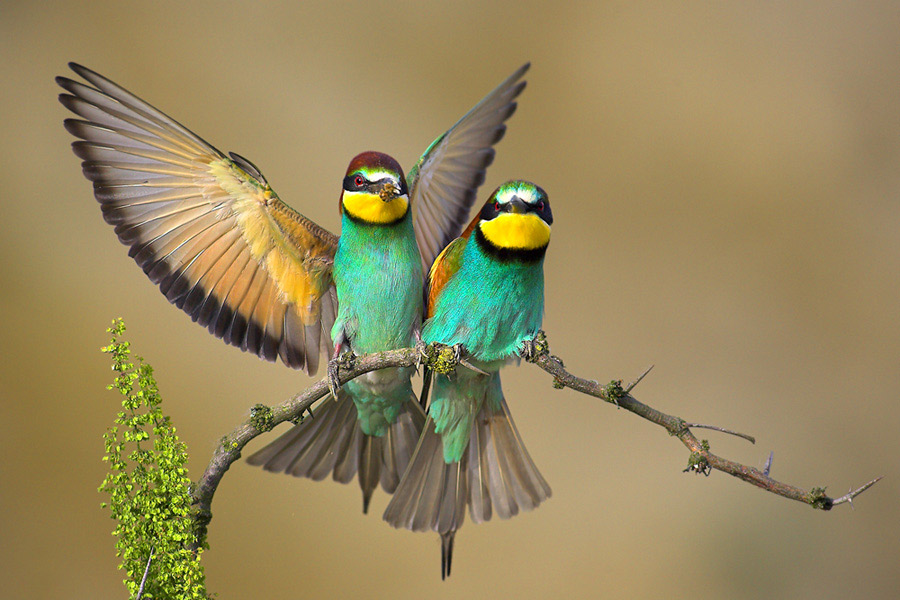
[{"x": 848, "y": 498}]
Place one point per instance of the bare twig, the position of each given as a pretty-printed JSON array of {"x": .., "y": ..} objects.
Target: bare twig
[
  {"x": 749, "y": 438},
  {"x": 640, "y": 378},
  {"x": 849, "y": 496},
  {"x": 701, "y": 460},
  {"x": 144, "y": 578},
  {"x": 768, "y": 466}
]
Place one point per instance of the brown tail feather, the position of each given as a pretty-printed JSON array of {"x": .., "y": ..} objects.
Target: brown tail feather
[
  {"x": 333, "y": 442},
  {"x": 369, "y": 468},
  {"x": 509, "y": 480},
  {"x": 495, "y": 474},
  {"x": 446, "y": 553},
  {"x": 310, "y": 443}
]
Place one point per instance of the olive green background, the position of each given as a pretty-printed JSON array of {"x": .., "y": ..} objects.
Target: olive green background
[{"x": 725, "y": 183}]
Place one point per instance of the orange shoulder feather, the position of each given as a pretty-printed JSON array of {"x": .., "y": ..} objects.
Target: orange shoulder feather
[{"x": 445, "y": 266}]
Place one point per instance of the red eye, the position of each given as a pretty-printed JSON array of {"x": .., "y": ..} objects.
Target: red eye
[
  {"x": 359, "y": 181},
  {"x": 541, "y": 205},
  {"x": 497, "y": 206}
]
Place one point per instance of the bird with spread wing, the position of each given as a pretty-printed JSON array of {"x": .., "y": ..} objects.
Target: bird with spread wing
[{"x": 210, "y": 231}]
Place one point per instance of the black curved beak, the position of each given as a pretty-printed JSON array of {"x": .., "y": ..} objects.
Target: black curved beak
[{"x": 516, "y": 206}]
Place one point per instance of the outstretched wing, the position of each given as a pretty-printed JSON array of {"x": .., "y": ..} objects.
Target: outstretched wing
[
  {"x": 206, "y": 228},
  {"x": 444, "y": 181}
]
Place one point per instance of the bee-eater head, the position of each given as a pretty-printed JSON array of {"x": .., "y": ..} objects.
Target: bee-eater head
[
  {"x": 515, "y": 221},
  {"x": 374, "y": 190}
]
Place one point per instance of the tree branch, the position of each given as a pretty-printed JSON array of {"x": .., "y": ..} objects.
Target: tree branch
[
  {"x": 701, "y": 459},
  {"x": 263, "y": 418}
]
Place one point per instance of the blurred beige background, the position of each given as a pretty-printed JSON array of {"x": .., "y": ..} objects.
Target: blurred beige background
[{"x": 726, "y": 189}]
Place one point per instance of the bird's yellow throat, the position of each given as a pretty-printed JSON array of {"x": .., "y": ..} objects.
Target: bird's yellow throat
[
  {"x": 372, "y": 209},
  {"x": 516, "y": 231}
]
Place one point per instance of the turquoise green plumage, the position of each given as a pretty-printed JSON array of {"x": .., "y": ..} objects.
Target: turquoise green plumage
[
  {"x": 378, "y": 279},
  {"x": 485, "y": 294},
  {"x": 210, "y": 231},
  {"x": 372, "y": 428}
]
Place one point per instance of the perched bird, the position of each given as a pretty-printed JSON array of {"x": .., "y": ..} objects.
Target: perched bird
[
  {"x": 373, "y": 427},
  {"x": 210, "y": 231},
  {"x": 486, "y": 297}
]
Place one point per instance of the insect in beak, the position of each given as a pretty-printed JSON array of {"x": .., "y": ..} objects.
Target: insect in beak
[{"x": 388, "y": 191}]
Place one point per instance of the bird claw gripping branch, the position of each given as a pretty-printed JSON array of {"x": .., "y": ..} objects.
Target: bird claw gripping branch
[
  {"x": 535, "y": 347},
  {"x": 345, "y": 360},
  {"x": 441, "y": 358}
]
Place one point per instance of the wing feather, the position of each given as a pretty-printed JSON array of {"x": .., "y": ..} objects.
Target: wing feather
[
  {"x": 206, "y": 228},
  {"x": 444, "y": 181}
]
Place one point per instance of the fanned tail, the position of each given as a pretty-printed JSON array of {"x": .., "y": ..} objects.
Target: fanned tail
[
  {"x": 432, "y": 494},
  {"x": 333, "y": 442},
  {"x": 502, "y": 476},
  {"x": 317, "y": 446},
  {"x": 494, "y": 475}
]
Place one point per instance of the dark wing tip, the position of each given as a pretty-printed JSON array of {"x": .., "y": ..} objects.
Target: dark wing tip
[
  {"x": 70, "y": 85},
  {"x": 74, "y": 126},
  {"x": 68, "y": 100},
  {"x": 83, "y": 71},
  {"x": 248, "y": 167}
]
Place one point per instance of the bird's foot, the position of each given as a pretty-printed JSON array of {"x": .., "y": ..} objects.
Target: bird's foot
[
  {"x": 345, "y": 360},
  {"x": 441, "y": 358},
  {"x": 423, "y": 350},
  {"x": 537, "y": 346}
]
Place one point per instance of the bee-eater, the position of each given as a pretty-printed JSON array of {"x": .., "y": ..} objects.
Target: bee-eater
[
  {"x": 222, "y": 246},
  {"x": 485, "y": 295}
]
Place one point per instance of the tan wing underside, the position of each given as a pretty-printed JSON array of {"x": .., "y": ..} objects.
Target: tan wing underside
[{"x": 215, "y": 238}]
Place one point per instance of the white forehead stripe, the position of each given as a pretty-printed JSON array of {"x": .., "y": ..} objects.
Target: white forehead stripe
[
  {"x": 526, "y": 194},
  {"x": 379, "y": 175}
]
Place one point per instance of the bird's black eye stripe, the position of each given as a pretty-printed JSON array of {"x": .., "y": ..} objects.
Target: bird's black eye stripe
[
  {"x": 543, "y": 209},
  {"x": 354, "y": 182},
  {"x": 489, "y": 211},
  {"x": 495, "y": 208}
]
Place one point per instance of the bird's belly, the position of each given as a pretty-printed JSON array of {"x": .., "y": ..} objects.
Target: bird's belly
[{"x": 384, "y": 381}]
